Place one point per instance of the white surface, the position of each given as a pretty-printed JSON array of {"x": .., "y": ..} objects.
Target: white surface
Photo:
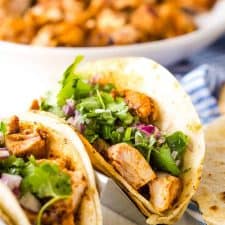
[{"x": 51, "y": 61}]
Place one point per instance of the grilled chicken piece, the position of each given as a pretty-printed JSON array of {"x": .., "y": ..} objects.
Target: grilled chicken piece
[
  {"x": 14, "y": 7},
  {"x": 142, "y": 105},
  {"x": 124, "y": 4},
  {"x": 13, "y": 125},
  {"x": 146, "y": 19},
  {"x": 131, "y": 165},
  {"x": 109, "y": 20},
  {"x": 126, "y": 35},
  {"x": 164, "y": 190},
  {"x": 196, "y": 5},
  {"x": 63, "y": 211},
  {"x": 59, "y": 34},
  {"x": 79, "y": 185},
  {"x": 21, "y": 141}
]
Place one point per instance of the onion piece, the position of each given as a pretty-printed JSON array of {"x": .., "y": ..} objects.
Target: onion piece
[
  {"x": 69, "y": 107},
  {"x": 30, "y": 202},
  {"x": 77, "y": 121},
  {"x": 4, "y": 154},
  {"x": 147, "y": 129},
  {"x": 12, "y": 181}
]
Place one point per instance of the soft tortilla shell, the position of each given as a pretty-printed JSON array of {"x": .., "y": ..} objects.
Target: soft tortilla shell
[
  {"x": 211, "y": 193},
  {"x": 176, "y": 112},
  {"x": 61, "y": 137}
]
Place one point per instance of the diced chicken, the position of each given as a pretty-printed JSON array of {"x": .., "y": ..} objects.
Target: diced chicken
[
  {"x": 31, "y": 216},
  {"x": 79, "y": 185},
  {"x": 123, "y": 4},
  {"x": 13, "y": 125},
  {"x": 109, "y": 20},
  {"x": 146, "y": 19},
  {"x": 177, "y": 22},
  {"x": 60, "y": 213},
  {"x": 197, "y": 5},
  {"x": 126, "y": 35},
  {"x": 164, "y": 191},
  {"x": 62, "y": 34},
  {"x": 16, "y": 30},
  {"x": 63, "y": 212},
  {"x": 142, "y": 105},
  {"x": 21, "y": 142},
  {"x": 131, "y": 165},
  {"x": 35, "y": 105},
  {"x": 14, "y": 7},
  {"x": 50, "y": 11}
]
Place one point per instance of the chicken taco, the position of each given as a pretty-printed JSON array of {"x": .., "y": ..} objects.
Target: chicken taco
[
  {"x": 139, "y": 127},
  {"x": 46, "y": 175}
]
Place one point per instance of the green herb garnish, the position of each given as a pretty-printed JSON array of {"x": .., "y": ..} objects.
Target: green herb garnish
[
  {"x": 3, "y": 128},
  {"x": 44, "y": 179},
  {"x": 163, "y": 160}
]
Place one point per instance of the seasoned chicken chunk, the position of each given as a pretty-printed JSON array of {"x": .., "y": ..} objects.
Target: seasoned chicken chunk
[
  {"x": 164, "y": 190},
  {"x": 63, "y": 211},
  {"x": 130, "y": 164},
  {"x": 60, "y": 34},
  {"x": 109, "y": 20},
  {"x": 146, "y": 19},
  {"x": 13, "y": 125},
  {"x": 124, "y": 4},
  {"x": 142, "y": 105},
  {"x": 126, "y": 35},
  {"x": 21, "y": 141},
  {"x": 197, "y": 5}
]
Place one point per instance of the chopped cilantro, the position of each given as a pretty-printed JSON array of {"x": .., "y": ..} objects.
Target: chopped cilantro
[
  {"x": 163, "y": 160},
  {"x": 3, "y": 128},
  {"x": 178, "y": 142},
  {"x": 44, "y": 179}
]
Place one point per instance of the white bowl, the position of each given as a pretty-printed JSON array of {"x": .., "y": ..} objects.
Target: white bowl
[{"x": 19, "y": 59}]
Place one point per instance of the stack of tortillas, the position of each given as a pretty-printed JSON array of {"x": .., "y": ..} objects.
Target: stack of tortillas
[{"x": 211, "y": 193}]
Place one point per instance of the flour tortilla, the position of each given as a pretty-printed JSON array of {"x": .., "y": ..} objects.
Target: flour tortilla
[
  {"x": 176, "y": 112},
  {"x": 211, "y": 193},
  {"x": 62, "y": 136}
]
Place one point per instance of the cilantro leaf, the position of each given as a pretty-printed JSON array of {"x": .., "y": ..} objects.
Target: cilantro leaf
[
  {"x": 12, "y": 165},
  {"x": 163, "y": 160},
  {"x": 70, "y": 70},
  {"x": 70, "y": 82},
  {"x": 45, "y": 180},
  {"x": 178, "y": 142},
  {"x": 3, "y": 128}
]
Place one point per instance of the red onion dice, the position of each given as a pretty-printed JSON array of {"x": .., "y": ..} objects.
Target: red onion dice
[
  {"x": 147, "y": 129},
  {"x": 77, "y": 121},
  {"x": 12, "y": 181},
  {"x": 69, "y": 108},
  {"x": 4, "y": 153},
  {"x": 30, "y": 202}
]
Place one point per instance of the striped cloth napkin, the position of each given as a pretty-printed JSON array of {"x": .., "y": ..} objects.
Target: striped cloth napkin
[{"x": 202, "y": 85}]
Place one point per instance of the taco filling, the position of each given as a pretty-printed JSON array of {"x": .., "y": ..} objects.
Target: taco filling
[
  {"x": 46, "y": 182},
  {"x": 122, "y": 126}
]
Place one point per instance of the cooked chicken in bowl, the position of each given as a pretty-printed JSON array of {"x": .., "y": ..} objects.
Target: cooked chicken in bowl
[{"x": 96, "y": 22}]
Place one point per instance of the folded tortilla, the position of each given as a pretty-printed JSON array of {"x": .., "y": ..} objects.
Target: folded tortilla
[
  {"x": 61, "y": 137},
  {"x": 211, "y": 193},
  {"x": 176, "y": 113}
]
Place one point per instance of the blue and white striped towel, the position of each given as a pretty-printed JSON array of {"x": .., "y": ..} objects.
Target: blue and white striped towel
[{"x": 202, "y": 84}]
